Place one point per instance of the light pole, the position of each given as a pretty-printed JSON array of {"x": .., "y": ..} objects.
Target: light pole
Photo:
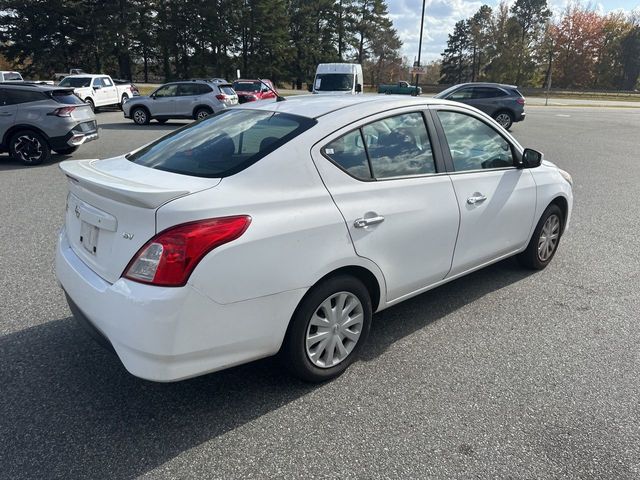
[{"x": 420, "y": 44}]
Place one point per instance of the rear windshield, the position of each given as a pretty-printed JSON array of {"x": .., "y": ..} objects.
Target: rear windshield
[
  {"x": 222, "y": 144},
  {"x": 228, "y": 90},
  {"x": 65, "y": 96},
  {"x": 247, "y": 86},
  {"x": 12, "y": 76},
  {"x": 76, "y": 82}
]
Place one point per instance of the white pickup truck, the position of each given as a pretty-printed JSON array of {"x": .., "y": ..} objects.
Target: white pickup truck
[{"x": 98, "y": 90}]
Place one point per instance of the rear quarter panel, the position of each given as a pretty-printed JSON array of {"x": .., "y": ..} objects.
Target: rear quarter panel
[{"x": 296, "y": 236}]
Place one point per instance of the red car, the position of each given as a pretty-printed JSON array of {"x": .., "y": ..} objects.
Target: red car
[{"x": 252, "y": 90}]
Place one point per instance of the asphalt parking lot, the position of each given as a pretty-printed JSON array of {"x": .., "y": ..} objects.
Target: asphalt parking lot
[{"x": 501, "y": 374}]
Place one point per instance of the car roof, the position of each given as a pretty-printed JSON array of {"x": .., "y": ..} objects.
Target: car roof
[
  {"x": 314, "y": 106},
  {"x": 486, "y": 84},
  {"x": 34, "y": 86},
  {"x": 90, "y": 75}
]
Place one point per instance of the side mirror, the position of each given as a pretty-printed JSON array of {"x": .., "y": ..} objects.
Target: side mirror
[
  {"x": 97, "y": 87},
  {"x": 358, "y": 88},
  {"x": 310, "y": 87},
  {"x": 531, "y": 158}
]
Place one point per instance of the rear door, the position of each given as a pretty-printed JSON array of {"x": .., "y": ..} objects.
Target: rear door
[
  {"x": 399, "y": 209},
  {"x": 486, "y": 99},
  {"x": 8, "y": 111},
  {"x": 187, "y": 98},
  {"x": 497, "y": 201},
  {"x": 110, "y": 92}
]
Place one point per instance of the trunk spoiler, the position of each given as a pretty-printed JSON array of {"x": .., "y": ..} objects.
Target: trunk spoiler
[{"x": 85, "y": 174}]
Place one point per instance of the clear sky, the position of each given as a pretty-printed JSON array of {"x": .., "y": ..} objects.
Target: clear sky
[{"x": 441, "y": 15}]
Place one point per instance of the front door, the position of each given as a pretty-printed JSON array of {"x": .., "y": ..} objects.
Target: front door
[
  {"x": 164, "y": 101},
  {"x": 400, "y": 213},
  {"x": 497, "y": 201},
  {"x": 8, "y": 109}
]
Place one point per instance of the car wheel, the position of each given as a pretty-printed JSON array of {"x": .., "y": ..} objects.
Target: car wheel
[
  {"x": 140, "y": 116},
  {"x": 504, "y": 118},
  {"x": 201, "y": 113},
  {"x": 328, "y": 329},
  {"x": 89, "y": 102},
  {"x": 66, "y": 151},
  {"x": 29, "y": 147},
  {"x": 545, "y": 239},
  {"x": 161, "y": 121},
  {"x": 124, "y": 98}
]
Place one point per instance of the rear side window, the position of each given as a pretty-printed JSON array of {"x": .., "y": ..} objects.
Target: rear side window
[
  {"x": 223, "y": 144},
  {"x": 13, "y": 97},
  {"x": 397, "y": 146},
  {"x": 488, "y": 92},
  {"x": 76, "y": 82},
  {"x": 203, "y": 89},
  {"x": 188, "y": 89},
  {"x": 12, "y": 77},
  {"x": 106, "y": 82},
  {"x": 65, "y": 96}
]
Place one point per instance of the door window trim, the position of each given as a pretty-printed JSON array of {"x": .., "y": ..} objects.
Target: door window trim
[
  {"x": 516, "y": 149},
  {"x": 436, "y": 149}
]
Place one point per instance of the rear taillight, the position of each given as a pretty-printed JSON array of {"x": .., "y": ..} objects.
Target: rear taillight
[
  {"x": 62, "y": 112},
  {"x": 169, "y": 258},
  {"x": 221, "y": 97},
  {"x": 520, "y": 101}
]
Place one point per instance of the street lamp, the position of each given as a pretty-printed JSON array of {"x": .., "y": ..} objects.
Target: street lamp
[{"x": 420, "y": 44}]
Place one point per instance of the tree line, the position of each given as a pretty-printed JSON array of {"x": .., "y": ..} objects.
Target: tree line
[
  {"x": 525, "y": 45},
  {"x": 148, "y": 40}
]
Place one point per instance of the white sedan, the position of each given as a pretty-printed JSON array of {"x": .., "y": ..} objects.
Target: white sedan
[{"x": 281, "y": 227}]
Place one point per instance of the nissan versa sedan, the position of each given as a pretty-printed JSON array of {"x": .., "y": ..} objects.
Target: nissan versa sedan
[{"x": 281, "y": 227}]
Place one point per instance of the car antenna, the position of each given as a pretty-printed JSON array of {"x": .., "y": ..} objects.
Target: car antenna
[{"x": 279, "y": 98}]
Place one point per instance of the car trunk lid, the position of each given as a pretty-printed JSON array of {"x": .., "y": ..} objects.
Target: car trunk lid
[{"x": 111, "y": 208}]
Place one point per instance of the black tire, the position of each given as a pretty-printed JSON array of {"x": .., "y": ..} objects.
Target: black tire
[
  {"x": 531, "y": 257},
  {"x": 29, "y": 147},
  {"x": 202, "y": 112},
  {"x": 161, "y": 121},
  {"x": 140, "y": 116},
  {"x": 66, "y": 151},
  {"x": 89, "y": 102},
  {"x": 504, "y": 118},
  {"x": 294, "y": 350}
]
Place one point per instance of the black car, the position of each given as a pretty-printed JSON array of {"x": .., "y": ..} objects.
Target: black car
[{"x": 502, "y": 102}]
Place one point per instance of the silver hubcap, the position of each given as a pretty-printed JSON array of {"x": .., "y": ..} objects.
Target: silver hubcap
[
  {"x": 548, "y": 238},
  {"x": 202, "y": 114},
  {"x": 334, "y": 329},
  {"x": 139, "y": 116},
  {"x": 28, "y": 148},
  {"x": 503, "y": 119}
]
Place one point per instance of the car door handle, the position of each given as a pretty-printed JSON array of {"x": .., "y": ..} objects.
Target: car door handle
[
  {"x": 476, "y": 198},
  {"x": 5, "y": 114},
  {"x": 365, "y": 222}
]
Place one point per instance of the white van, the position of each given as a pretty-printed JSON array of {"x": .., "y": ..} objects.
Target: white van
[{"x": 338, "y": 78}]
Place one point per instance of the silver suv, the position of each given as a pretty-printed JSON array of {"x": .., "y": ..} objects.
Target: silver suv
[
  {"x": 189, "y": 99},
  {"x": 36, "y": 119}
]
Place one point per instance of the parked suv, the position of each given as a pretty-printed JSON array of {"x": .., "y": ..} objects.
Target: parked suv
[
  {"x": 502, "y": 102},
  {"x": 36, "y": 119},
  {"x": 195, "y": 99}
]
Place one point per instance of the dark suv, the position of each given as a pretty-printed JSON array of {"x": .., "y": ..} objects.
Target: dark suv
[
  {"x": 36, "y": 119},
  {"x": 502, "y": 102}
]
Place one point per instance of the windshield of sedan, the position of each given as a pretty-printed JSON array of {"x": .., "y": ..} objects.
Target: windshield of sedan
[
  {"x": 76, "y": 82},
  {"x": 223, "y": 144},
  {"x": 333, "y": 82},
  {"x": 247, "y": 86}
]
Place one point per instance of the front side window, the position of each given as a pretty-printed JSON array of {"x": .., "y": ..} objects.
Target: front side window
[
  {"x": 223, "y": 144},
  {"x": 167, "y": 91},
  {"x": 462, "y": 94},
  {"x": 76, "y": 82},
  {"x": 333, "y": 82},
  {"x": 399, "y": 146},
  {"x": 97, "y": 82},
  {"x": 473, "y": 144}
]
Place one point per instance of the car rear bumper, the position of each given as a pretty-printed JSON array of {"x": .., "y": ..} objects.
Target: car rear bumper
[
  {"x": 78, "y": 135},
  {"x": 168, "y": 334},
  {"x": 520, "y": 117}
]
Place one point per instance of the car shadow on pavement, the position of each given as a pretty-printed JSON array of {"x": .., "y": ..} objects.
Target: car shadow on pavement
[
  {"x": 128, "y": 126},
  {"x": 68, "y": 409},
  {"x": 10, "y": 163}
]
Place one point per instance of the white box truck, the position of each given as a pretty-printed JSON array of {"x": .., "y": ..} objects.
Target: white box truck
[{"x": 338, "y": 79}]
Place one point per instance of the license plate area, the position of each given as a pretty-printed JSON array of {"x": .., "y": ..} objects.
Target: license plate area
[{"x": 89, "y": 237}]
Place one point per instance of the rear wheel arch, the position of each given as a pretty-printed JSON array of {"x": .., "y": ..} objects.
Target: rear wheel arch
[
  {"x": 201, "y": 107},
  {"x": 19, "y": 128}
]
